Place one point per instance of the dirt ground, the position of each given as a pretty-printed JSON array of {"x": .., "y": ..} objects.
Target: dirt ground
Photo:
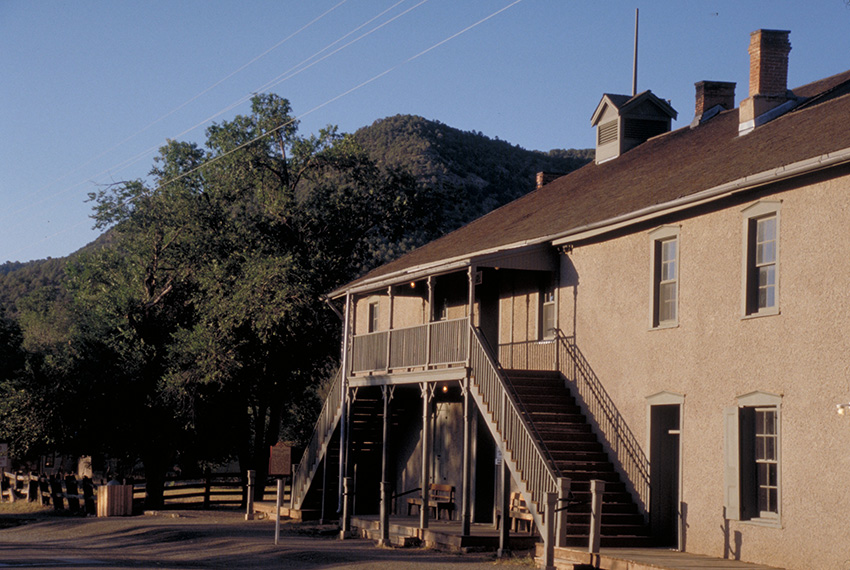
[{"x": 34, "y": 538}]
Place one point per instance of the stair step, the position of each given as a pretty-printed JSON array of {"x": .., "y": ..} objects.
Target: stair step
[
  {"x": 577, "y": 455},
  {"x": 596, "y": 466},
  {"x": 560, "y": 445},
  {"x": 559, "y": 418},
  {"x": 545, "y": 405}
]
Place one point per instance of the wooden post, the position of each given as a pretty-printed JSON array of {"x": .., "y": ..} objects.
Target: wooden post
[
  {"x": 563, "y": 498},
  {"x": 426, "y": 454},
  {"x": 466, "y": 511},
  {"x": 345, "y": 365},
  {"x": 12, "y": 485},
  {"x": 249, "y": 513},
  {"x": 56, "y": 493},
  {"x": 597, "y": 488},
  {"x": 551, "y": 522},
  {"x": 88, "y": 496},
  {"x": 505, "y": 500},
  {"x": 32, "y": 489},
  {"x": 277, "y": 504},
  {"x": 71, "y": 492},
  {"x": 207, "y": 488},
  {"x": 385, "y": 514},
  {"x": 44, "y": 489},
  {"x": 346, "y": 506}
]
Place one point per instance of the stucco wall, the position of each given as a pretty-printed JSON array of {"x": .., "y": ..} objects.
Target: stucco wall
[{"x": 715, "y": 355}]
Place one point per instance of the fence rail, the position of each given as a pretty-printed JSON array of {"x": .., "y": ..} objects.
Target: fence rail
[{"x": 80, "y": 495}]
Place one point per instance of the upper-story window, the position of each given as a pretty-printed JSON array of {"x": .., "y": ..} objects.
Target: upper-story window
[
  {"x": 373, "y": 316},
  {"x": 761, "y": 259},
  {"x": 665, "y": 276},
  {"x": 548, "y": 327}
]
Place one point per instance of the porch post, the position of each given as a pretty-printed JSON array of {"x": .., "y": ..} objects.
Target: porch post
[
  {"x": 429, "y": 320},
  {"x": 466, "y": 515},
  {"x": 471, "y": 273},
  {"x": 563, "y": 503},
  {"x": 427, "y": 393},
  {"x": 389, "y": 326},
  {"x": 343, "y": 421},
  {"x": 505, "y": 505},
  {"x": 387, "y": 392}
]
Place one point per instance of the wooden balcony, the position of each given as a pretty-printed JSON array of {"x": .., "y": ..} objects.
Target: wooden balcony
[{"x": 434, "y": 345}]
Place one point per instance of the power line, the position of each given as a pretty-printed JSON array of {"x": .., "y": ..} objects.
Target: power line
[
  {"x": 316, "y": 108},
  {"x": 165, "y": 116}
]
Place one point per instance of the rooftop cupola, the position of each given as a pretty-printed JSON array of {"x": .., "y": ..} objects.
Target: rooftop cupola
[
  {"x": 622, "y": 122},
  {"x": 769, "y": 94}
]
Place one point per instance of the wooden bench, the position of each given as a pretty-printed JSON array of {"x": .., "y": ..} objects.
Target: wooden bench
[
  {"x": 440, "y": 498},
  {"x": 518, "y": 513}
]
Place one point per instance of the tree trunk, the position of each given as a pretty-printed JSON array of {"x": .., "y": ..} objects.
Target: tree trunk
[{"x": 155, "y": 469}]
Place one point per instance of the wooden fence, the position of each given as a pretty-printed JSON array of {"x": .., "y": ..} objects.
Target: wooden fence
[{"x": 80, "y": 495}]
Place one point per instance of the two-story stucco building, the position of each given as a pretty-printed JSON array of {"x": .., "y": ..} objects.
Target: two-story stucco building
[{"x": 671, "y": 319}]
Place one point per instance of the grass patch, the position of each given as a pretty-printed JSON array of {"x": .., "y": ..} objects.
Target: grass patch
[{"x": 22, "y": 512}]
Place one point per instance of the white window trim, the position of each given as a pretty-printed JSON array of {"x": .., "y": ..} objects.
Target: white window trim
[
  {"x": 373, "y": 301},
  {"x": 543, "y": 335},
  {"x": 731, "y": 447},
  {"x": 760, "y": 209},
  {"x": 663, "y": 233}
]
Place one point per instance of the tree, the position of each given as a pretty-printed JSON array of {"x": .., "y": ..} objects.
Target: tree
[{"x": 209, "y": 301}]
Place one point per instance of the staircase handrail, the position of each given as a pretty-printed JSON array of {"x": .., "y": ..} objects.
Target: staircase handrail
[
  {"x": 601, "y": 407},
  {"x": 506, "y": 380},
  {"x": 306, "y": 469},
  {"x": 533, "y": 464}
]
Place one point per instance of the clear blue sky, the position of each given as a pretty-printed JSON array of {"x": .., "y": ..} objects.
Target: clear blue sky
[{"x": 90, "y": 89}]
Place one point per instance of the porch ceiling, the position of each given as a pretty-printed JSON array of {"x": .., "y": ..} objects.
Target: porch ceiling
[{"x": 534, "y": 257}]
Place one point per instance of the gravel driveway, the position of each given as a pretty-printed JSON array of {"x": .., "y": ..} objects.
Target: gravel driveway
[{"x": 206, "y": 539}]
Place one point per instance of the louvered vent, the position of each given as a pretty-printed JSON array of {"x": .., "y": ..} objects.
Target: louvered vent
[
  {"x": 643, "y": 129},
  {"x": 606, "y": 133}
]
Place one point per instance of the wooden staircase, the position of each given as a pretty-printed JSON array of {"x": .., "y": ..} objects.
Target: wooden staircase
[{"x": 567, "y": 437}]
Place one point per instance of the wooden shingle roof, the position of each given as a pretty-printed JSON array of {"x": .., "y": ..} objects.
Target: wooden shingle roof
[{"x": 684, "y": 163}]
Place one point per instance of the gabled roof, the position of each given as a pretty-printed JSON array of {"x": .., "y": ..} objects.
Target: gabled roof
[
  {"x": 625, "y": 103},
  {"x": 668, "y": 172}
]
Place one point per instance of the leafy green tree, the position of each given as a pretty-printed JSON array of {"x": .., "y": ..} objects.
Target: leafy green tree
[{"x": 209, "y": 299}]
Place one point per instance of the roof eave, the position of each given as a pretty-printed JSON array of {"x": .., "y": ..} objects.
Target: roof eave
[{"x": 744, "y": 184}]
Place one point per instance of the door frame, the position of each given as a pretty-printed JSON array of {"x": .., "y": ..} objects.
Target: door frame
[{"x": 666, "y": 398}]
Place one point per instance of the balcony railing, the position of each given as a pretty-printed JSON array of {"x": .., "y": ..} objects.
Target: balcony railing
[
  {"x": 530, "y": 355},
  {"x": 420, "y": 347}
]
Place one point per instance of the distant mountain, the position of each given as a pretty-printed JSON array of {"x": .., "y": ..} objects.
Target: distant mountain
[
  {"x": 18, "y": 279},
  {"x": 468, "y": 172},
  {"x": 474, "y": 173}
]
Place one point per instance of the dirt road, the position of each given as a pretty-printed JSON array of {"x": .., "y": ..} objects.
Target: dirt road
[{"x": 204, "y": 539}]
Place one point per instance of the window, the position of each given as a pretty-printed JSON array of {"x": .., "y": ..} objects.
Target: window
[
  {"x": 548, "y": 327},
  {"x": 665, "y": 276},
  {"x": 761, "y": 259},
  {"x": 373, "y": 317},
  {"x": 753, "y": 458}
]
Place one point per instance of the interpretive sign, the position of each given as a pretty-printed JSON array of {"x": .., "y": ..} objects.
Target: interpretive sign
[{"x": 280, "y": 459}]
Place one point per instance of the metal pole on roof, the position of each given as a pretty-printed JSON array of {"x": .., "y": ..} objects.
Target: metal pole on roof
[{"x": 634, "y": 64}]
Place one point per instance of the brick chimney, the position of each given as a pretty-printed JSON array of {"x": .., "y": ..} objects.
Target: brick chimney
[
  {"x": 711, "y": 94},
  {"x": 544, "y": 178},
  {"x": 768, "y": 76}
]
